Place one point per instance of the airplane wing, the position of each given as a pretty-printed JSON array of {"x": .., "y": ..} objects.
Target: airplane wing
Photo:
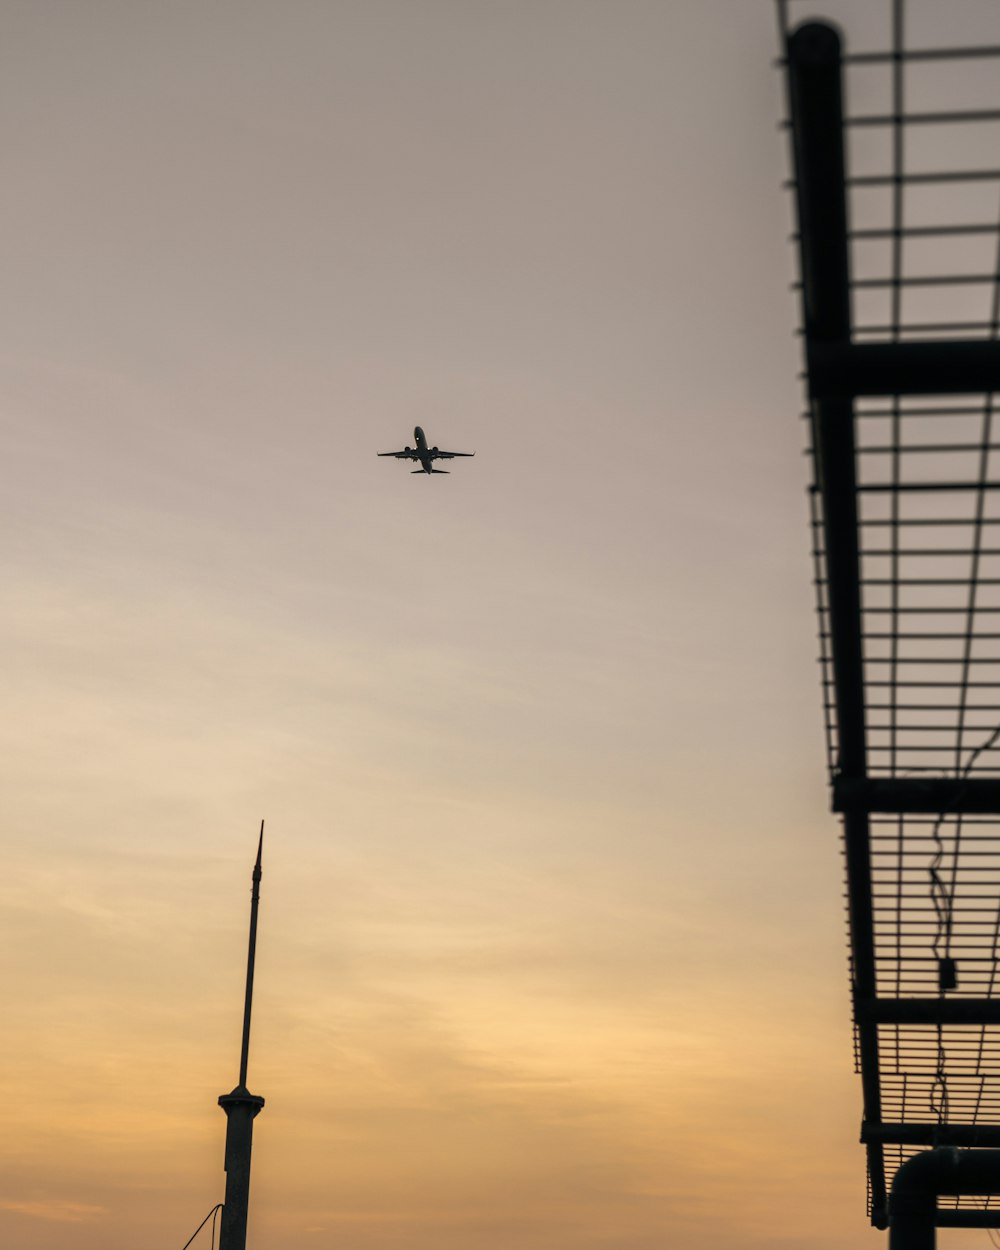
[
  {"x": 448, "y": 455},
  {"x": 406, "y": 454}
]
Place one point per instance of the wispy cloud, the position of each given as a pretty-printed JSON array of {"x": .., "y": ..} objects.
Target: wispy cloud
[{"x": 55, "y": 1209}]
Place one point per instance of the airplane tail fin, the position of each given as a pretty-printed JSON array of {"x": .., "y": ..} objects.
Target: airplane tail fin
[{"x": 432, "y": 470}]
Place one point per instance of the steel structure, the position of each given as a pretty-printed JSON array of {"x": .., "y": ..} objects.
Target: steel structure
[{"x": 896, "y": 177}]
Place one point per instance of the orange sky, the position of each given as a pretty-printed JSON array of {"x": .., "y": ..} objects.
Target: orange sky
[{"x": 552, "y": 952}]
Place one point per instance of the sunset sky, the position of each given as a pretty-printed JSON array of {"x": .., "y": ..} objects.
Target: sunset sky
[{"x": 552, "y": 950}]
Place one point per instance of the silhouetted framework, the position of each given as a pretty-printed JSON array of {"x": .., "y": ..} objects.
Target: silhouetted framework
[{"x": 896, "y": 154}]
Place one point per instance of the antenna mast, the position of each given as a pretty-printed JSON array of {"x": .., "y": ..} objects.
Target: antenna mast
[
  {"x": 240, "y": 1105},
  {"x": 251, "y": 953}
]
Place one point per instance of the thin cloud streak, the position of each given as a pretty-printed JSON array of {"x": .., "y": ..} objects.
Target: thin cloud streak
[{"x": 55, "y": 1209}]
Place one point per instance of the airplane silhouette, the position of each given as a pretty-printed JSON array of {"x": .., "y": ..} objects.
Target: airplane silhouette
[{"x": 426, "y": 455}]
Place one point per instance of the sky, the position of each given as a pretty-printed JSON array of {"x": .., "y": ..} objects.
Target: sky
[{"x": 552, "y": 951}]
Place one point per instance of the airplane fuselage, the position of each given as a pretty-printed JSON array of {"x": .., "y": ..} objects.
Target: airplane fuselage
[{"x": 421, "y": 441}]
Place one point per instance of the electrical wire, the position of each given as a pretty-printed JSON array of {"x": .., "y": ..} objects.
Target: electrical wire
[
  {"x": 211, "y": 1216},
  {"x": 943, "y": 899}
]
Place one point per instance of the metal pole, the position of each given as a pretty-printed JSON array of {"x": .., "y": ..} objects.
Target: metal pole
[
  {"x": 815, "y": 100},
  {"x": 251, "y": 953},
  {"x": 240, "y": 1106}
]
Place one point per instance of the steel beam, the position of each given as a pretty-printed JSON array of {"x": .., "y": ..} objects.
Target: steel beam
[
  {"x": 933, "y": 795},
  {"x": 816, "y": 110},
  {"x": 905, "y": 1134},
  {"x": 847, "y": 370},
  {"x": 929, "y": 1011},
  {"x": 968, "y": 1218}
]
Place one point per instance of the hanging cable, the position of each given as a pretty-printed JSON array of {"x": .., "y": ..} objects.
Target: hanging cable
[
  {"x": 943, "y": 899},
  {"x": 211, "y": 1216},
  {"x": 943, "y": 892}
]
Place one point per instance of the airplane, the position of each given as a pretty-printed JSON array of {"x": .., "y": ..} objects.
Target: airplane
[{"x": 426, "y": 455}]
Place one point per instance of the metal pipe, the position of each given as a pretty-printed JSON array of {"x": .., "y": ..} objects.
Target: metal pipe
[{"x": 913, "y": 1213}]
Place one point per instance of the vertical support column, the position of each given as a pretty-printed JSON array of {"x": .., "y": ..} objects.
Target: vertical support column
[
  {"x": 240, "y": 1107},
  {"x": 815, "y": 99},
  {"x": 816, "y": 108}
]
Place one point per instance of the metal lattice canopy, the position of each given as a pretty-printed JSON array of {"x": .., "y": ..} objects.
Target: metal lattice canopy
[{"x": 896, "y": 153}]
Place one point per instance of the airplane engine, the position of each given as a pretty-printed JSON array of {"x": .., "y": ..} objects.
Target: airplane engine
[
  {"x": 407, "y": 448},
  {"x": 433, "y": 449}
]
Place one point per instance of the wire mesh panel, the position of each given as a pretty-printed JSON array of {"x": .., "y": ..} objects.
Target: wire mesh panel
[{"x": 896, "y": 161}]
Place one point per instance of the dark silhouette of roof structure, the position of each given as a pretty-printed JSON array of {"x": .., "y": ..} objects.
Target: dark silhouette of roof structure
[{"x": 896, "y": 179}]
